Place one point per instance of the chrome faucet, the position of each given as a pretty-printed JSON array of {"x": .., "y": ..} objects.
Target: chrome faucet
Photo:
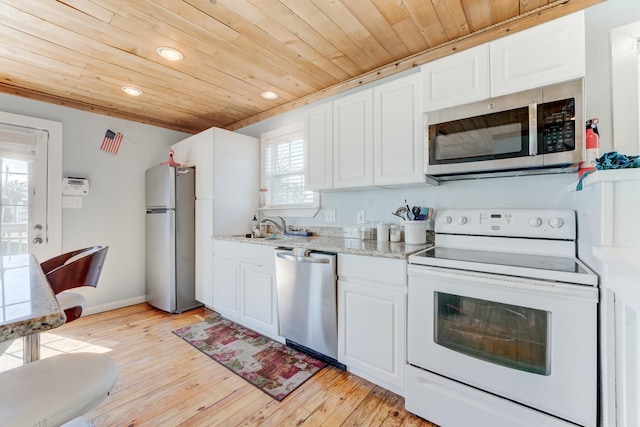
[{"x": 282, "y": 228}]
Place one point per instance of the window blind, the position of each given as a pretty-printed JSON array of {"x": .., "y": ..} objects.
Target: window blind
[
  {"x": 19, "y": 143},
  {"x": 284, "y": 171}
]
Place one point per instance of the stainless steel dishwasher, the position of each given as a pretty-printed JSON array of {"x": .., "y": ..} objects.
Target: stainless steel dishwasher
[{"x": 307, "y": 302}]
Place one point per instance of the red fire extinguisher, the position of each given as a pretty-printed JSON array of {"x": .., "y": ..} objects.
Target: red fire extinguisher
[{"x": 592, "y": 146}]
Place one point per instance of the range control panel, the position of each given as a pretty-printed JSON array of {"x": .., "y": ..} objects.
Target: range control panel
[{"x": 533, "y": 223}]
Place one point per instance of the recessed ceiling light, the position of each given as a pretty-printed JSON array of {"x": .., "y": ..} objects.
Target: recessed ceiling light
[
  {"x": 269, "y": 95},
  {"x": 169, "y": 53},
  {"x": 132, "y": 91}
]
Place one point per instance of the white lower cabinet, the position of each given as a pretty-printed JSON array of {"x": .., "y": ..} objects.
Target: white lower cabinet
[
  {"x": 619, "y": 335},
  {"x": 226, "y": 287},
  {"x": 372, "y": 319},
  {"x": 204, "y": 231},
  {"x": 244, "y": 288},
  {"x": 259, "y": 299}
]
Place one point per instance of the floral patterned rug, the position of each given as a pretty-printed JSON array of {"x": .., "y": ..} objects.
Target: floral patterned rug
[{"x": 269, "y": 365}]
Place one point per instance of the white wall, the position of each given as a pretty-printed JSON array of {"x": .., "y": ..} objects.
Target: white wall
[
  {"x": 113, "y": 212},
  {"x": 600, "y": 20}
]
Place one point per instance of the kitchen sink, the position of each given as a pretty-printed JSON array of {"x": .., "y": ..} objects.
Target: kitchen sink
[{"x": 272, "y": 236}]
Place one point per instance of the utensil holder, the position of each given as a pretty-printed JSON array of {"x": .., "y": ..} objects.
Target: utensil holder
[{"x": 415, "y": 232}]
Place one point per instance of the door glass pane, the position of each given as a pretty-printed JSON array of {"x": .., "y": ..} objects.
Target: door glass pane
[
  {"x": 507, "y": 335},
  {"x": 14, "y": 210},
  {"x": 491, "y": 136}
]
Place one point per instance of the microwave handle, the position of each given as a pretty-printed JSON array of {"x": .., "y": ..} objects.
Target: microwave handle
[{"x": 533, "y": 129}]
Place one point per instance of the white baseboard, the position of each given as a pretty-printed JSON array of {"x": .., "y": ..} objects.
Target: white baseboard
[{"x": 113, "y": 305}]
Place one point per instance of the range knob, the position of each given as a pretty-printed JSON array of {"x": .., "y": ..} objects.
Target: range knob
[
  {"x": 462, "y": 220},
  {"x": 535, "y": 222},
  {"x": 556, "y": 222},
  {"x": 446, "y": 220}
]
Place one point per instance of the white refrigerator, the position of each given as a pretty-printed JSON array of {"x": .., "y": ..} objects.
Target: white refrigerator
[{"x": 170, "y": 238}]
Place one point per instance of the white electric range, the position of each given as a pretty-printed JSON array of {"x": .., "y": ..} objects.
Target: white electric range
[{"x": 502, "y": 322}]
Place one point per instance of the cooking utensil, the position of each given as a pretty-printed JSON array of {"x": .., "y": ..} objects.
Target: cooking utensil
[{"x": 415, "y": 211}]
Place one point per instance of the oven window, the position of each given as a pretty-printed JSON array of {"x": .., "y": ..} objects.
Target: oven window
[
  {"x": 491, "y": 136},
  {"x": 507, "y": 335}
]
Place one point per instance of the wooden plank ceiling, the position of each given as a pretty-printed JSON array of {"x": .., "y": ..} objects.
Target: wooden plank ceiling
[{"x": 79, "y": 53}]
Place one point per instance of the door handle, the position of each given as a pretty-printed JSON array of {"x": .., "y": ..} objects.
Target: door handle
[
  {"x": 290, "y": 257},
  {"x": 37, "y": 227},
  {"x": 37, "y": 240}
]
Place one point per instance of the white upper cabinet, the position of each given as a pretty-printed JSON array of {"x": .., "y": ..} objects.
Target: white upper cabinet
[
  {"x": 545, "y": 54},
  {"x": 353, "y": 140},
  {"x": 183, "y": 152},
  {"x": 398, "y": 140},
  {"x": 370, "y": 138},
  {"x": 457, "y": 79},
  {"x": 318, "y": 149}
]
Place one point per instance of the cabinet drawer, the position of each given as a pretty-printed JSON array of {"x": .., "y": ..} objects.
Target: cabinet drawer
[
  {"x": 247, "y": 252},
  {"x": 389, "y": 272}
]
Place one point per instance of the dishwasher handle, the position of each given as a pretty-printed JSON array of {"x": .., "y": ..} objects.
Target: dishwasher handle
[{"x": 290, "y": 257}]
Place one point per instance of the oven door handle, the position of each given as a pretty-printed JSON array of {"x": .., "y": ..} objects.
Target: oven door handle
[{"x": 572, "y": 291}]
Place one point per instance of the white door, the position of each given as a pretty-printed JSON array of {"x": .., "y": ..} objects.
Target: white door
[{"x": 23, "y": 183}]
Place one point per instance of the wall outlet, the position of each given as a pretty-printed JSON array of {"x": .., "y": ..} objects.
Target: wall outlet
[
  {"x": 361, "y": 217},
  {"x": 330, "y": 215}
]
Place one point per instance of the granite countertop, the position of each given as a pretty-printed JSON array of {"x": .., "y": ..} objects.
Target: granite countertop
[
  {"x": 28, "y": 304},
  {"x": 337, "y": 244}
]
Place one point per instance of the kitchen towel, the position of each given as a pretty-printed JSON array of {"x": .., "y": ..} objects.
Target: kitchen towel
[{"x": 612, "y": 160}]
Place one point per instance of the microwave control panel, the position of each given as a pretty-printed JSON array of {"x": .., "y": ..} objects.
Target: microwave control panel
[{"x": 558, "y": 123}]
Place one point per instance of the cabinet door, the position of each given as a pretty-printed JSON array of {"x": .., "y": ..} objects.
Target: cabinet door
[
  {"x": 398, "y": 140},
  {"x": 226, "y": 289},
  {"x": 318, "y": 147},
  {"x": 183, "y": 152},
  {"x": 371, "y": 334},
  {"x": 352, "y": 140},
  {"x": 204, "y": 251},
  {"x": 203, "y": 144},
  {"x": 259, "y": 299},
  {"x": 197, "y": 150},
  {"x": 545, "y": 54},
  {"x": 458, "y": 79}
]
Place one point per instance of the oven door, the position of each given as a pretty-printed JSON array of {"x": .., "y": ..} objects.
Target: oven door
[{"x": 530, "y": 341}]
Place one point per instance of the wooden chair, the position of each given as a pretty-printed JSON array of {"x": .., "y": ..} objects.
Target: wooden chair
[{"x": 73, "y": 270}]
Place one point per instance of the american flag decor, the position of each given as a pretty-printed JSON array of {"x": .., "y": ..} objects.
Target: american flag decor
[{"x": 111, "y": 142}]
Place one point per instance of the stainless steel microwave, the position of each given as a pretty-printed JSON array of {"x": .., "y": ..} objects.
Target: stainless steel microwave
[{"x": 537, "y": 129}]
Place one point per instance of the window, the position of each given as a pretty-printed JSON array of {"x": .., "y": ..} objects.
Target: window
[
  {"x": 625, "y": 89},
  {"x": 283, "y": 181}
]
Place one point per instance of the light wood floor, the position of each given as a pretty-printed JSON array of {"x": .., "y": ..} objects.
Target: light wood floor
[{"x": 163, "y": 381}]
